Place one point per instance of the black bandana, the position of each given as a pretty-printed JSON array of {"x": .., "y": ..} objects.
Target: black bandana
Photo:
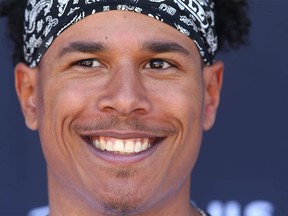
[{"x": 47, "y": 19}]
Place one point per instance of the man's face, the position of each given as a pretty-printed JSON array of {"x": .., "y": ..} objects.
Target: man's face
[{"x": 120, "y": 102}]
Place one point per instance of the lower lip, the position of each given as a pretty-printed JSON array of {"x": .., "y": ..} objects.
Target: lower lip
[{"x": 114, "y": 158}]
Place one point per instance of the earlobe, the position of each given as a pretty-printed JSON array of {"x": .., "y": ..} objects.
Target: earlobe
[
  {"x": 213, "y": 77},
  {"x": 25, "y": 84}
]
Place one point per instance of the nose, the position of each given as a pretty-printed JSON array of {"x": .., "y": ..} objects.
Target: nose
[{"x": 125, "y": 94}]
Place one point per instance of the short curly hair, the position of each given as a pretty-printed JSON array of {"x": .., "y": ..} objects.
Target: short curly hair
[{"x": 232, "y": 24}]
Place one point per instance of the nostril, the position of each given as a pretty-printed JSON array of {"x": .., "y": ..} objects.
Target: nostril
[{"x": 124, "y": 106}]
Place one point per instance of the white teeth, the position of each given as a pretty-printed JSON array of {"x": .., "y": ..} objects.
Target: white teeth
[
  {"x": 97, "y": 144},
  {"x": 121, "y": 146},
  {"x": 129, "y": 147},
  {"x": 145, "y": 145},
  {"x": 102, "y": 144},
  {"x": 109, "y": 146},
  {"x": 138, "y": 147}
]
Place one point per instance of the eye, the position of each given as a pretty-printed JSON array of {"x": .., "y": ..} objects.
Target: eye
[
  {"x": 89, "y": 63},
  {"x": 158, "y": 64}
]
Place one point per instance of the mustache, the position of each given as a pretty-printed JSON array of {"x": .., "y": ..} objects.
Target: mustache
[{"x": 133, "y": 124}]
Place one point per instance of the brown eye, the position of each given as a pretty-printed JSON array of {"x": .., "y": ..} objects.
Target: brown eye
[
  {"x": 158, "y": 64},
  {"x": 89, "y": 63}
]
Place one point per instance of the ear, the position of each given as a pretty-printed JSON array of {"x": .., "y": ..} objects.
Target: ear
[
  {"x": 25, "y": 84},
  {"x": 213, "y": 77}
]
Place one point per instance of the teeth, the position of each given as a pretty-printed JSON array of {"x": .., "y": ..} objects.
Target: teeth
[
  {"x": 109, "y": 146},
  {"x": 97, "y": 144},
  {"x": 102, "y": 144},
  {"x": 129, "y": 147},
  {"x": 121, "y": 146},
  {"x": 138, "y": 147},
  {"x": 145, "y": 144}
]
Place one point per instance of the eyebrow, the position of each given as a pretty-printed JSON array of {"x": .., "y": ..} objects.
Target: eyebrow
[
  {"x": 83, "y": 47},
  {"x": 164, "y": 46},
  {"x": 98, "y": 47}
]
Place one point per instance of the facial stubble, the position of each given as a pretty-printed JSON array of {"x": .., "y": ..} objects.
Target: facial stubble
[{"x": 121, "y": 201}]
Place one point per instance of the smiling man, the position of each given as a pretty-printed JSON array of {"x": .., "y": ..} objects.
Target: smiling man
[{"x": 121, "y": 92}]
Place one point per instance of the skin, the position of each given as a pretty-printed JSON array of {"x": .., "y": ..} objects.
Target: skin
[{"x": 121, "y": 97}]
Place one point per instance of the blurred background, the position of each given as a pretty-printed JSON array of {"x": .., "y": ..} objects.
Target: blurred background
[{"x": 243, "y": 165}]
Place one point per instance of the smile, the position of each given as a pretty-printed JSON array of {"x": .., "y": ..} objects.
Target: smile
[
  {"x": 121, "y": 146},
  {"x": 127, "y": 146}
]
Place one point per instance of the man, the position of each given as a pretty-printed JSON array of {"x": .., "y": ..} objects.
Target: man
[{"x": 121, "y": 92}]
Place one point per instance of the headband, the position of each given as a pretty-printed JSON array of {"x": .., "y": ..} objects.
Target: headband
[{"x": 47, "y": 19}]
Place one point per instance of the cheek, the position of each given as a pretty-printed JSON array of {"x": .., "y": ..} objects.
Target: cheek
[
  {"x": 181, "y": 100},
  {"x": 181, "y": 103},
  {"x": 58, "y": 104},
  {"x": 59, "y": 100}
]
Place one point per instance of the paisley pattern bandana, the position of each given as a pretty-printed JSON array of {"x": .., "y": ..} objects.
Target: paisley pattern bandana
[{"x": 47, "y": 19}]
